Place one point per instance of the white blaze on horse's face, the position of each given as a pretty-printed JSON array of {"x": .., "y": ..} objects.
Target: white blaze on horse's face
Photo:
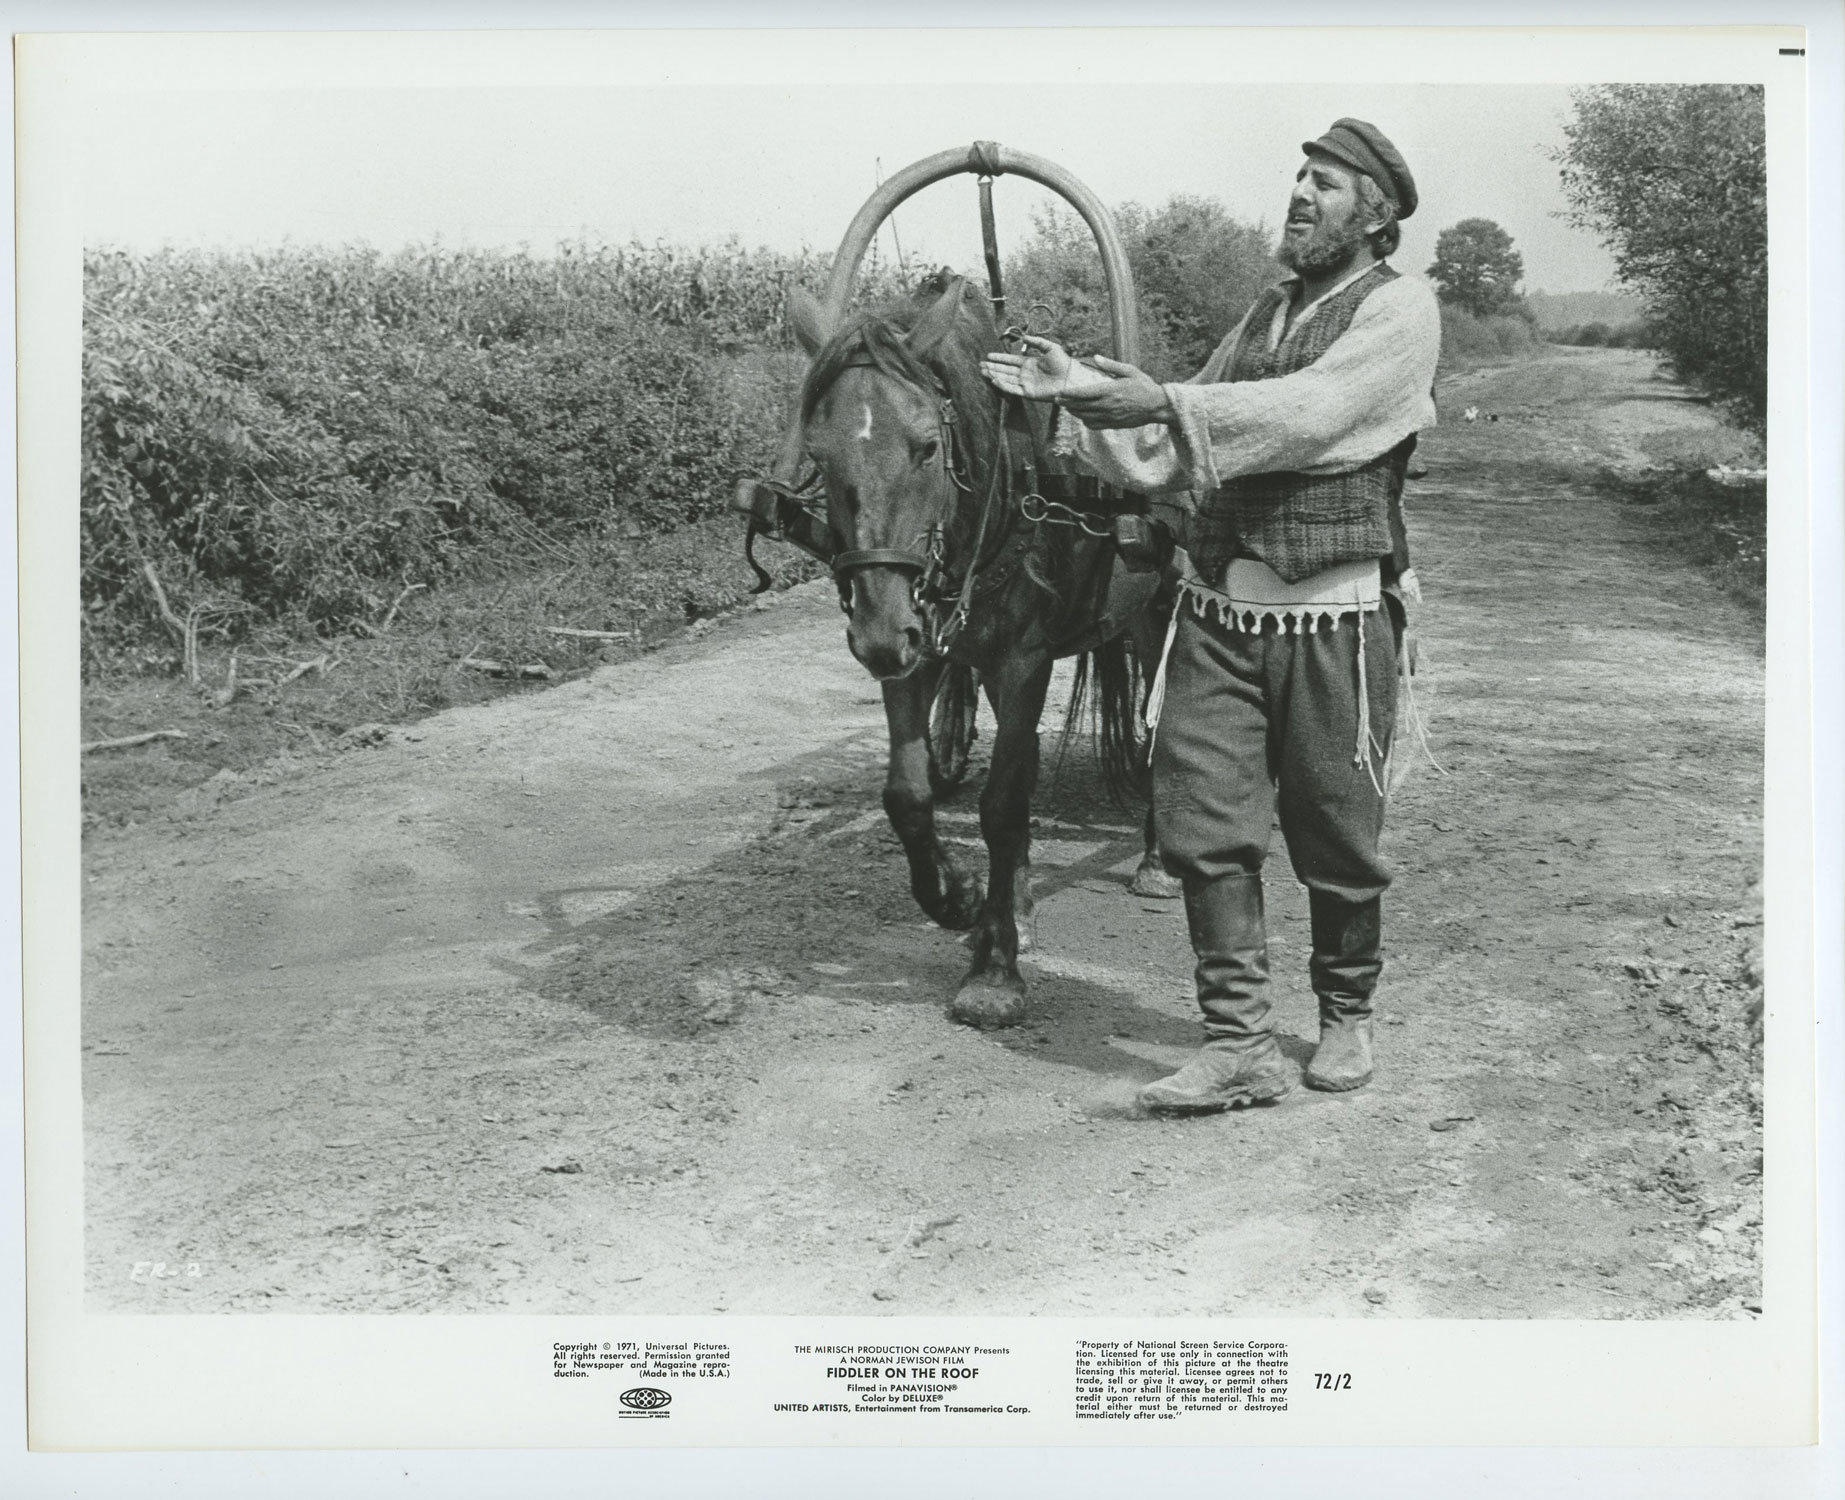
[{"x": 877, "y": 441}]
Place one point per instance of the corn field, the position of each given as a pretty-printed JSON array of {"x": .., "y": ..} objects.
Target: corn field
[
  {"x": 290, "y": 438},
  {"x": 295, "y": 436}
]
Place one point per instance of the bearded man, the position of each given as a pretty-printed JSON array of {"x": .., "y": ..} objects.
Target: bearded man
[{"x": 1280, "y": 678}]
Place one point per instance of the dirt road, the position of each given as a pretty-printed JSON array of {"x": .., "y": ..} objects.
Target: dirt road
[{"x": 612, "y": 997}]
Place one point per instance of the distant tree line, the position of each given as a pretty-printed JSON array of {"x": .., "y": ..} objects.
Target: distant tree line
[{"x": 1633, "y": 334}]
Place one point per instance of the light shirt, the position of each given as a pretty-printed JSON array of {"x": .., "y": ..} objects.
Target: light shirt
[
  {"x": 1253, "y": 587},
  {"x": 1371, "y": 389}
]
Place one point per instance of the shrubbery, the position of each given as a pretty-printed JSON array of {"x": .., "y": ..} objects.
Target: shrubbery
[
  {"x": 291, "y": 438},
  {"x": 296, "y": 435},
  {"x": 1196, "y": 271},
  {"x": 1467, "y": 338},
  {"x": 1634, "y": 335},
  {"x": 1674, "y": 178}
]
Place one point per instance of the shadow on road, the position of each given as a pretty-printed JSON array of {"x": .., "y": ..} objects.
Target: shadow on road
[{"x": 819, "y": 903}]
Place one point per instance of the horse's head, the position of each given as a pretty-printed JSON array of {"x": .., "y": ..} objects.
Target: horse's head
[{"x": 895, "y": 416}]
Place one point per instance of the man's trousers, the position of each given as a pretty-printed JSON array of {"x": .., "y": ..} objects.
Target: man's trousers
[{"x": 1256, "y": 722}]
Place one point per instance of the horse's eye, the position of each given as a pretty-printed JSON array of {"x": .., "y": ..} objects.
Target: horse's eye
[{"x": 929, "y": 448}]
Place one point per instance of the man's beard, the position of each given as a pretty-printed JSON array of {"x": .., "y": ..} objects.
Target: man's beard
[{"x": 1328, "y": 248}]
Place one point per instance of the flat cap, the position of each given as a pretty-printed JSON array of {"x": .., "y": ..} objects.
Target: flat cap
[{"x": 1360, "y": 144}]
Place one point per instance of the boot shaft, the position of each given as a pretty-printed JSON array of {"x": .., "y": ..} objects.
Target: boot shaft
[
  {"x": 1231, "y": 943},
  {"x": 1347, "y": 951}
]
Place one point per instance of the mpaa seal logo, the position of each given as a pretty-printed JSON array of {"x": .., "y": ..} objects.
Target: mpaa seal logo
[{"x": 645, "y": 1401}]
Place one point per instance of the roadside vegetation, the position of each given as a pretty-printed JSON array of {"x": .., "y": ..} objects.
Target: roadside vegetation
[
  {"x": 1673, "y": 178},
  {"x": 1720, "y": 526},
  {"x": 1634, "y": 335},
  {"x": 324, "y": 490},
  {"x": 1484, "y": 319}
]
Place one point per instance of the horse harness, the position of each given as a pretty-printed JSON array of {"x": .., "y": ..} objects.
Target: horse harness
[
  {"x": 933, "y": 586},
  {"x": 797, "y": 515}
]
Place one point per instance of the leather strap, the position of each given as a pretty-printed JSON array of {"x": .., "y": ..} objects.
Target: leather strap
[{"x": 878, "y": 557}]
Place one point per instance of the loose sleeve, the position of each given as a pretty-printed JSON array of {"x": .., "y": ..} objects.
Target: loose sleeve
[
  {"x": 1148, "y": 460},
  {"x": 1142, "y": 459}
]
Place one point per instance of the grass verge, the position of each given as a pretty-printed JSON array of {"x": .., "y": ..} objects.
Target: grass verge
[
  {"x": 1720, "y": 528},
  {"x": 650, "y": 588}
]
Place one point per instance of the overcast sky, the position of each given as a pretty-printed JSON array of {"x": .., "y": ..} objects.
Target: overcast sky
[{"x": 782, "y": 166}]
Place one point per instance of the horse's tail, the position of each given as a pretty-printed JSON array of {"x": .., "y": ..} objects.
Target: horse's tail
[{"x": 1106, "y": 692}]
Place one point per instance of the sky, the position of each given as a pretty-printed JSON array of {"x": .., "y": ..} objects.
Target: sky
[{"x": 783, "y": 165}]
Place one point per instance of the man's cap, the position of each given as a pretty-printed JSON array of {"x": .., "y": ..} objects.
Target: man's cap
[{"x": 1360, "y": 144}]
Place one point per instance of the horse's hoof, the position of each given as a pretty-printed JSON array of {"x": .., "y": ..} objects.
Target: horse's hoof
[
  {"x": 1151, "y": 880},
  {"x": 989, "y": 1003}
]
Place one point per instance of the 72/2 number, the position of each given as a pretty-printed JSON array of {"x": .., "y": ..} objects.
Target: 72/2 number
[{"x": 1325, "y": 1382}]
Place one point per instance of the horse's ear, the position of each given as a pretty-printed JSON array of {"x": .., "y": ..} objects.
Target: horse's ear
[
  {"x": 933, "y": 326},
  {"x": 809, "y": 319}
]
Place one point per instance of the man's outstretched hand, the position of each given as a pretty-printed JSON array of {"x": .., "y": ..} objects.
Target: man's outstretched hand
[
  {"x": 1102, "y": 393},
  {"x": 1047, "y": 373},
  {"x": 1132, "y": 398}
]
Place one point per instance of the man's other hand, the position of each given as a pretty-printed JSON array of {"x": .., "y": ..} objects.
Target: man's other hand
[{"x": 1131, "y": 398}]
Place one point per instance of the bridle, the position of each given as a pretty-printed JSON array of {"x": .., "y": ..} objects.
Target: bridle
[
  {"x": 932, "y": 587},
  {"x": 796, "y": 511}
]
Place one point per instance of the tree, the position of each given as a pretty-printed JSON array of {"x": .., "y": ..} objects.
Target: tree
[
  {"x": 1476, "y": 267},
  {"x": 1196, "y": 272},
  {"x": 1673, "y": 177},
  {"x": 1200, "y": 268}
]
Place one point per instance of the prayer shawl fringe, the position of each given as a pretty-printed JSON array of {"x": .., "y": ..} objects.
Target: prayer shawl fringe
[{"x": 1207, "y": 602}]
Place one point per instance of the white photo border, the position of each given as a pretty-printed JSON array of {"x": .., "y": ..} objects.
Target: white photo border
[{"x": 1814, "y": 556}]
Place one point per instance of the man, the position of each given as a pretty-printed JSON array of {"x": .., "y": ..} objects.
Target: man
[{"x": 1280, "y": 679}]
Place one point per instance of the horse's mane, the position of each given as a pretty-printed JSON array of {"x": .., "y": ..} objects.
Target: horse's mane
[{"x": 877, "y": 335}]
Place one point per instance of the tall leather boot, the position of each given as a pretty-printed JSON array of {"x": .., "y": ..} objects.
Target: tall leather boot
[
  {"x": 1346, "y": 963},
  {"x": 1239, "y": 1064}
]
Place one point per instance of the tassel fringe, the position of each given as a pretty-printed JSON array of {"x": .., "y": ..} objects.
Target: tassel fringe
[
  {"x": 1289, "y": 619},
  {"x": 1156, "y": 694},
  {"x": 1366, "y": 740},
  {"x": 1412, "y": 715},
  {"x": 1308, "y": 620}
]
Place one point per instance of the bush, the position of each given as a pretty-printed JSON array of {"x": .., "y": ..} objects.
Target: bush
[
  {"x": 1060, "y": 268},
  {"x": 1468, "y": 339},
  {"x": 296, "y": 436},
  {"x": 1196, "y": 272},
  {"x": 1720, "y": 527},
  {"x": 1674, "y": 178},
  {"x": 1598, "y": 335}
]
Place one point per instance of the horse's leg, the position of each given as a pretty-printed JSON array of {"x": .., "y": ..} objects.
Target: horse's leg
[
  {"x": 941, "y": 888},
  {"x": 1024, "y": 904},
  {"x": 1148, "y": 629},
  {"x": 993, "y": 993}
]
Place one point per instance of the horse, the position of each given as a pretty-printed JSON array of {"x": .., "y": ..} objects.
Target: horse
[{"x": 939, "y": 564}]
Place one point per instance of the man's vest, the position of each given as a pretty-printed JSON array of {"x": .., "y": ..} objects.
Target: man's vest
[{"x": 1301, "y": 524}]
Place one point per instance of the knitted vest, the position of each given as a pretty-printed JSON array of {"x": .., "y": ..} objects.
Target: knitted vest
[{"x": 1300, "y": 524}]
